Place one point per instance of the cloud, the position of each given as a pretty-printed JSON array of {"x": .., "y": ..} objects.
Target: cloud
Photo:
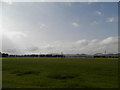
[
  {"x": 14, "y": 35},
  {"x": 92, "y": 0},
  {"x": 89, "y": 3},
  {"x": 98, "y": 12},
  {"x": 96, "y": 46},
  {"x": 111, "y": 19},
  {"x": 9, "y": 46},
  {"x": 94, "y": 23},
  {"x": 10, "y": 2},
  {"x": 109, "y": 40},
  {"x": 75, "y": 24},
  {"x": 82, "y": 42},
  {"x": 33, "y": 48},
  {"x": 42, "y": 26},
  {"x": 69, "y": 4},
  {"x": 83, "y": 46},
  {"x": 72, "y": 47}
]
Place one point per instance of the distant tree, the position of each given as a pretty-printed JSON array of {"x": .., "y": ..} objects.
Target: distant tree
[
  {"x": 0, "y": 54},
  {"x": 4, "y": 55}
]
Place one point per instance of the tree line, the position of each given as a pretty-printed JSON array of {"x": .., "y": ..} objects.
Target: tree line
[{"x": 31, "y": 55}]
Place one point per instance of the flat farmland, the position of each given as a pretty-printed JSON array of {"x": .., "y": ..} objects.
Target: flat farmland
[{"x": 36, "y": 72}]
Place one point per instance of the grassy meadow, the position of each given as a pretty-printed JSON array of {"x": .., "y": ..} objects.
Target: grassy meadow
[{"x": 36, "y": 72}]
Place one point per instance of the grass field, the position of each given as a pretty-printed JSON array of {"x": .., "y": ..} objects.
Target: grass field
[{"x": 59, "y": 73}]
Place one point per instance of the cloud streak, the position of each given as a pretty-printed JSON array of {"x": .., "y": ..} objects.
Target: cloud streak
[
  {"x": 111, "y": 19},
  {"x": 98, "y": 12},
  {"x": 42, "y": 26},
  {"x": 94, "y": 23},
  {"x": 75, "y": 24}
]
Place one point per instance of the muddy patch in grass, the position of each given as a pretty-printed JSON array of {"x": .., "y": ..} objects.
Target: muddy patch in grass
[
  {"x": 21, "y": 73},
  {"x": 62, "y": 76}
]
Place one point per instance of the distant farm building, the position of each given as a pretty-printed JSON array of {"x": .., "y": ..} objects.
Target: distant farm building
[
  {"x": 78, "y": 55},
  {"x": 99, "y": 55}
]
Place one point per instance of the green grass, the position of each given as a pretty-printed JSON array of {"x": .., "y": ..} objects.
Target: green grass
[{"x": 59, "y": 73}]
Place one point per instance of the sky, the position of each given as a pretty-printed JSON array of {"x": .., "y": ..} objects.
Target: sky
[{"x": 55, "y": 27}]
